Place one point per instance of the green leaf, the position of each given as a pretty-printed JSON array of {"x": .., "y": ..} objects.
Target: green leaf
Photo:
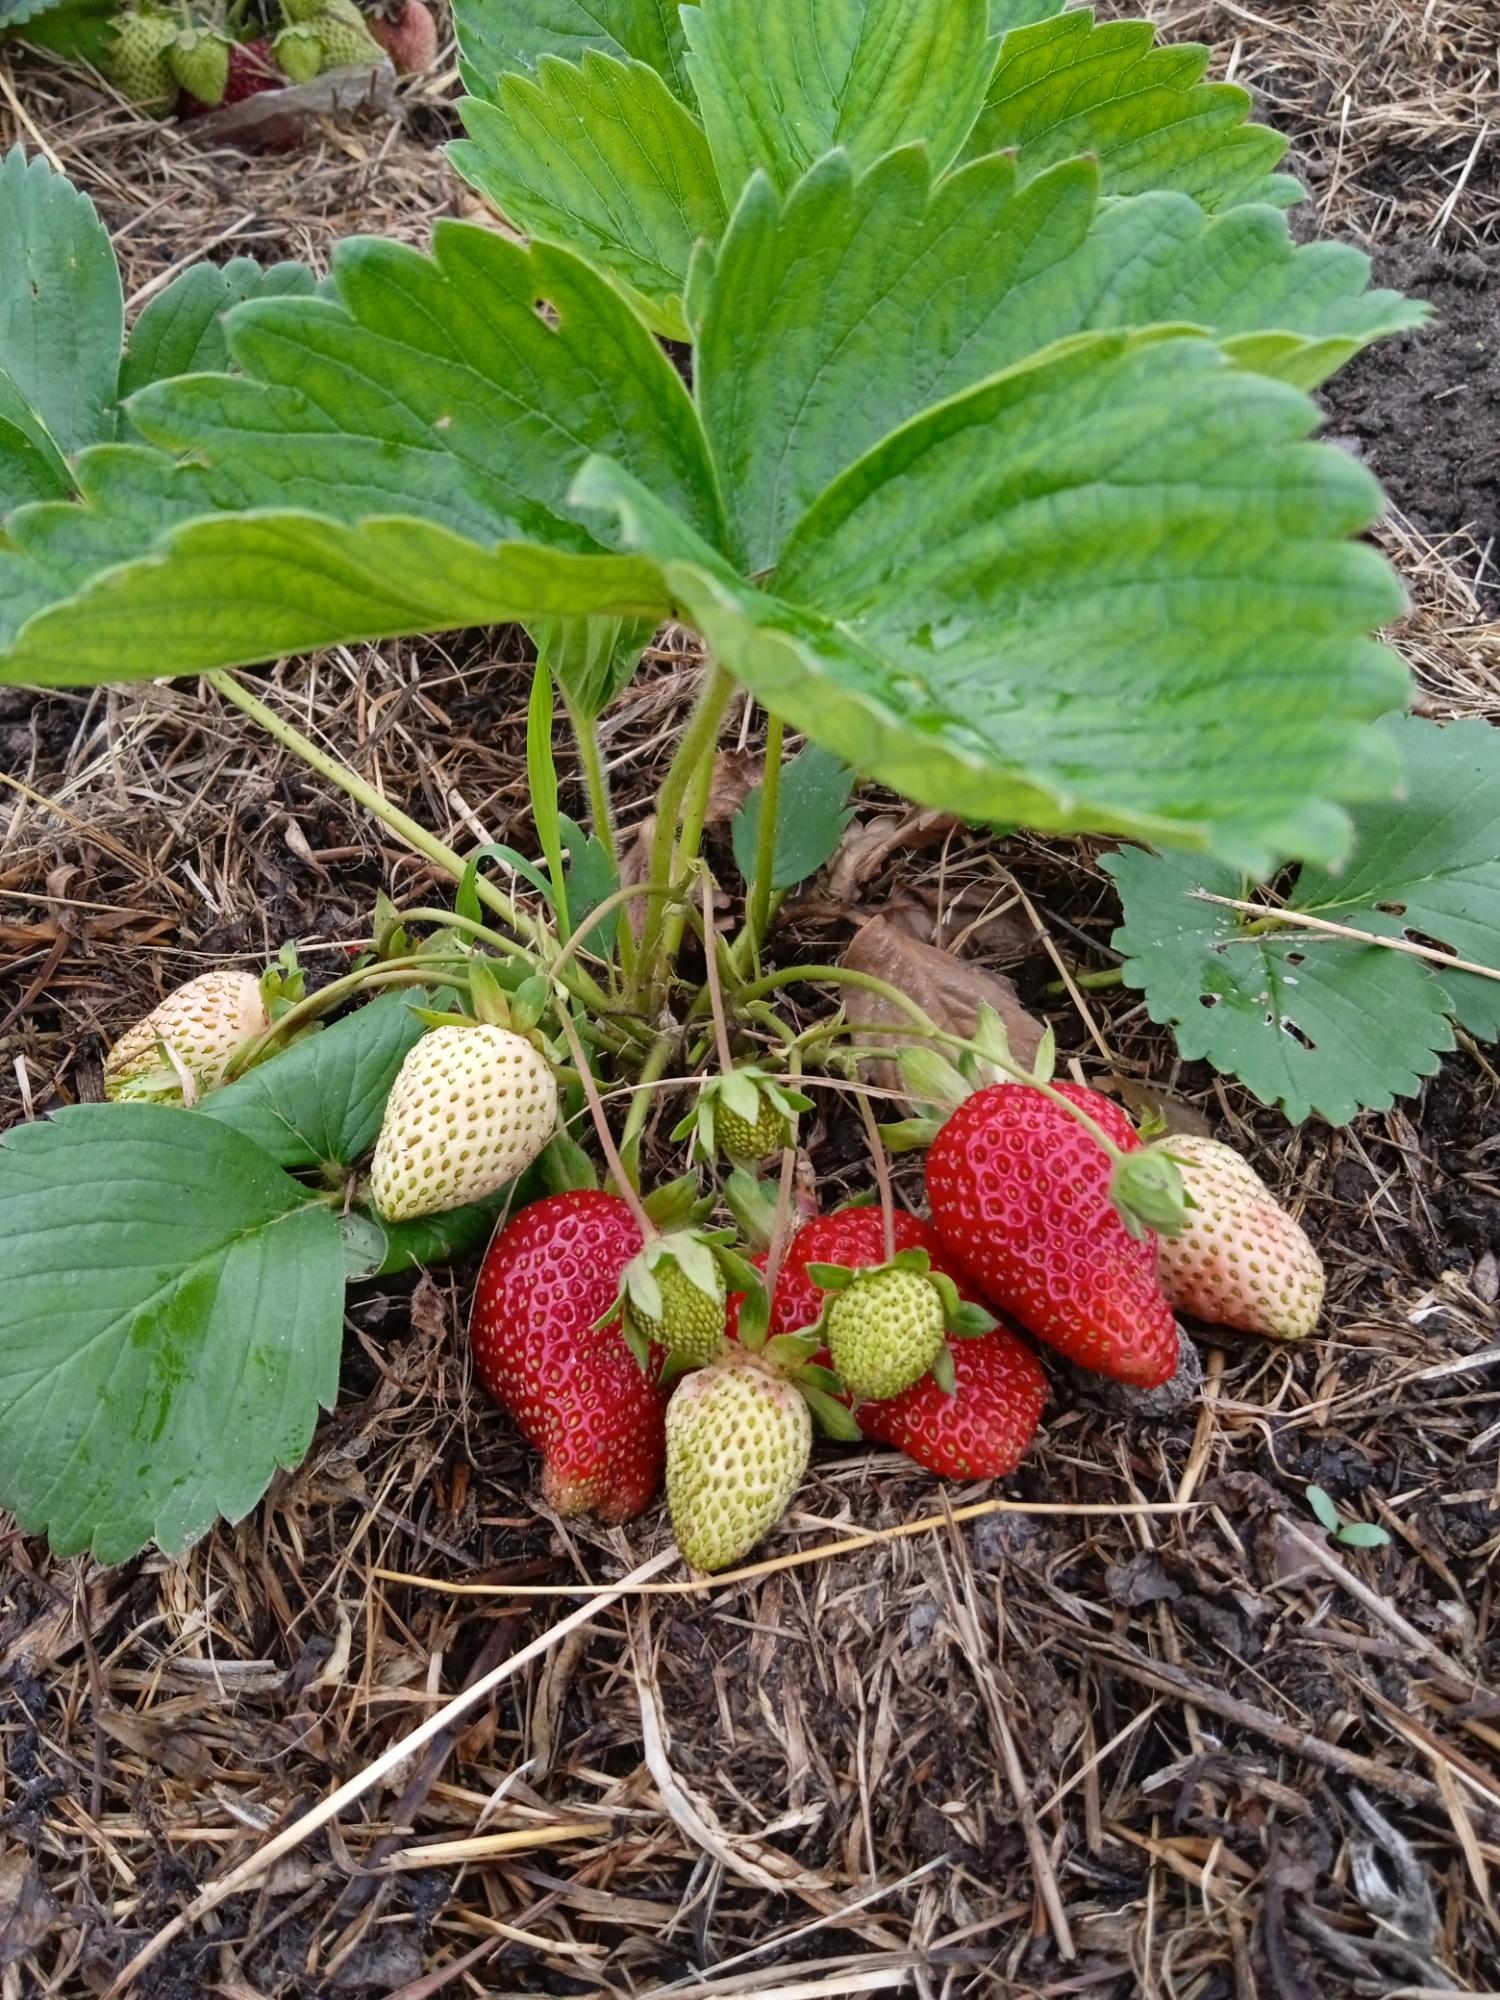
[
  {"x": 181, "y": 330},
  {"x": 1008, "y": 14},
  {"x": 927, "y": 289},
  {"x": 1363, "y": 1535},
  {"x": 785, "y": 81},
  {"x": 591, "y": 659},
  {"x": 170, "y": 1323},
  {"x": 457, "y": 402},
  {"x": 813, "y": 811},
  {"x": 1069, "y": 86},
  {"x": 232, "y": 591},
  {"x": 62, "y": 312},
  {"x": 1430, "y": 857},
  {"x": 81, "y": 30},
  {"x": 1322, "y": 1505},
  {"x": 443, "y": 1239},
  {"x": 1108, "y": 588},
  {"x": 1322, "y": 1023},
  {"x": 601, "y": 156},
  {"x": 319, "y": 1103},
  {"x": 31, "y": 466},
  {"x": 497, "y": 36},
  {"x": 830, "y": 1415},
  {"x": 1331, "y": 1027},
  {"x": 592, "y": 878}
]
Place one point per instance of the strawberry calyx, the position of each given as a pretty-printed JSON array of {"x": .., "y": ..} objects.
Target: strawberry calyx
[{"x": 1148, "y": 1190}]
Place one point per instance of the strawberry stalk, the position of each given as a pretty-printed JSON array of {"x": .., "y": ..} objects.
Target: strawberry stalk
[
  {"x": 758, "y": 915},
  {"x": 693, "y": 761},
  {"x": 882, "y": 1166}
]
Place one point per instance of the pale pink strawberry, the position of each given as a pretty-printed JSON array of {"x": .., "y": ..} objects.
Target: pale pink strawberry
[{"x": 1242, "y": 1261}]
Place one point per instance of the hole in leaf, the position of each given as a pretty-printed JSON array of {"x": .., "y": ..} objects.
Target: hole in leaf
[
  {"x": 1208, "y": 999},
  {"x": 1304, "y": 1041}
]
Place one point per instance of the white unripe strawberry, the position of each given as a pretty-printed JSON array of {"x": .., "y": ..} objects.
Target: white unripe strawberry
[
  {"x": 1242, "y": 1261},
  {"x": 738, "y": 1440},
  {"x": 203, "y": 1025},
  {"x": 471, "y": 1108}
]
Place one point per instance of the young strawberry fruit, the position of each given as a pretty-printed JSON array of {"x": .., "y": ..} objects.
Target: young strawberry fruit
[
  {"x": 745, "y": 1114},
  {"x": 674, "y": 1298},
  {"x": 739, "y": 1436},
  {"x": 573, "y": 1388},
  {"x": 982, "y": 1429},
  {"x": 344, "y": 37},
  {"x": 407, "y": 31},
  {"x": 138, "y": 60},
  {"x": 1242, "y": 1261},
  {"x": 1020, "y": 1195},
  {"x": 472, "y": 1106},
  {"x": 200, "y": 63},
  {"x": 885, "y": 1330},
  {"x": 202, "y": 1025},
  {"x": 299, "y": 51}
]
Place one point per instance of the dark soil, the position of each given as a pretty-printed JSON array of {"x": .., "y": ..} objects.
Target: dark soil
[{"x": 1424, "y": 410}]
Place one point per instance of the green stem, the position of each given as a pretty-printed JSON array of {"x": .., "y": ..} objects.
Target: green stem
[
  {"x": 1087, "y": 982},
  {"x": 866, "y": 982},
  {"x": 758, "y": 917},
  {"x": 394, "y": 972},
  {"x": 692, "y": 764},
  {"x": 401, "y": 824},
  {"x": 601, "y": 815},
  {"x": 652, "y": 1070}
]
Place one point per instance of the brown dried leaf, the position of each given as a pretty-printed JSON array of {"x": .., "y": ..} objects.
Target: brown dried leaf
[
  {"x": 28, "y": 1910},
  {"x": 868, "y": 844},
  {"x": 951, "y": 990}
]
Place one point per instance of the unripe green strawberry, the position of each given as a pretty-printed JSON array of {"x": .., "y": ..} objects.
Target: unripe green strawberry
[
  {"x": 738, "y": 1441},
  {"x": 742, "y": 1140},
  {"x": 200, "y": 63},
  {"x": 746, "y": 1114},
  {"x": 300, "y": 54},
  {"x": 1242, "y": 1261},
  {"x": 297, "y": 12},
  {"x": 471, "y": 1107},
  {"x": 343, "y": 37},
  {"x": 204, "y": 1025},
  {"x": 138, "y": 61},
  {"x": 884, "y": 1331},
  {"x": 675, "y": 1297}
]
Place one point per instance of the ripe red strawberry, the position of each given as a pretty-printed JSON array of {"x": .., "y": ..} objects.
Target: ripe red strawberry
[
  {"x": 574, "y": 1389},
  {"x": 1019, "y": 1193},
  {"x": 252, "y": 69},
  {"x": 408, "y": 34},
  {"x": 982, "y": 1430}
]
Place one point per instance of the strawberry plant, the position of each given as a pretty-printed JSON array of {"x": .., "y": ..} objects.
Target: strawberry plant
[{"x": 952, "y": 390}]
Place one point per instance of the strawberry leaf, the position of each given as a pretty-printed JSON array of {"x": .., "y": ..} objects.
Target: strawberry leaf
[
  {"x": 791, "y": 397},
  {"x": 813, "y": 811},
  {"x": 783, "y": 82},
  {"x": 516, "y": 35},
  {"x": 319, "y": 1102},
  {"x": 181, "y": 331},
  {"x": 170, "y": 1323},
  {"x": 1069, "y": 86},
  {"x": 602, "y": 156},
  {"x": 62, "y": 310},
  {"x": 1321, "y": 1023}
]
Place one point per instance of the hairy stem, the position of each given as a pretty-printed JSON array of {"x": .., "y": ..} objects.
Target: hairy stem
[
  {"x": 652, "y": 1071},
  {"x": 694, "y": 753},
  {"x": 623, "y": 1183},
  {"x": 758, "y": 916},
  {"x": 602, "y": 816},
  {"x": 711, "y": 966}
]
